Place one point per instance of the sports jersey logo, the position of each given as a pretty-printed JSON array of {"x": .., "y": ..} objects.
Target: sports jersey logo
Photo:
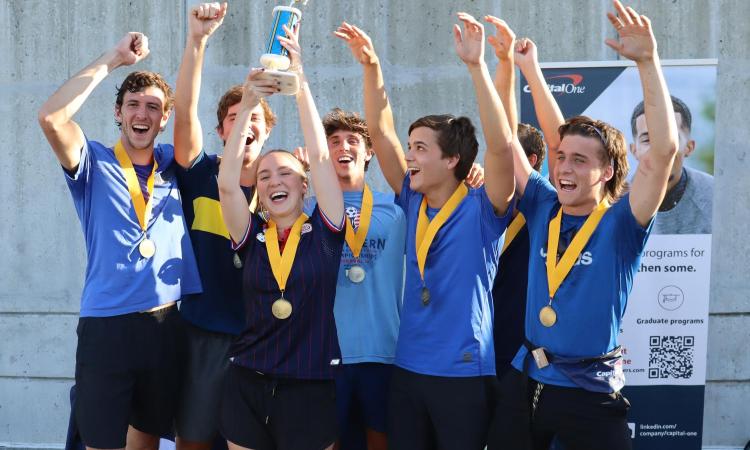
[
  {"x": 306, "y": 228},
  {"x": 260, "y": 237},
  {"x": 584, "y": 259}
]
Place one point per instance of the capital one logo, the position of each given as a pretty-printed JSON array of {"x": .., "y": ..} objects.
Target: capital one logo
[{"x": 563, "y": 84}]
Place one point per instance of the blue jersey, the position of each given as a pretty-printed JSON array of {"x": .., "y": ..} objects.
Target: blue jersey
[
  {"x": 591, "y": 300},
  {"x": 304, "y": 345},
  {"x": 219, "y": 308},
  {"x": 118, "y": 279},
  {"x": 452, "y": 335},
  {"x": 367, "y": 313}
]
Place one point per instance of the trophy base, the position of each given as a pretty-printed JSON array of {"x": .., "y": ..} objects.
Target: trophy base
[
  {"x": 289, "y": 81},
  {"x": 274, "y": 62}
]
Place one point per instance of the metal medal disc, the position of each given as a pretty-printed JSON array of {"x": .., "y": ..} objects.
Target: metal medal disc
[
  {"x": 147, "y": 248},
  {"x": 425, "y": 296},
  {"x": 547, "y": 316},
  {"x": 237, "y": 261},
  {"x": 281, "y": 309},
  {"x": 356, "y": 274}
]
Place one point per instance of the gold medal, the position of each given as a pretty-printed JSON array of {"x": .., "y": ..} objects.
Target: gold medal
[
  {"x": 147, "y": 248},
  {"x": 356, "y": 274},
  {"x": 425, "y": 296},
  {"x": 281, "y": 308},
  {"x": 547, "y": 316}
]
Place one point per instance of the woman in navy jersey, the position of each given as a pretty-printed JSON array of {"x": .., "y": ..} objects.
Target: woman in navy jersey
[{"x": 279, "y": 392}]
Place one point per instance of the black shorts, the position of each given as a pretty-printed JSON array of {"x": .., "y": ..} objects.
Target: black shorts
[
  {"x": 128, "y": 369},
  {"x": 206, "y": 365},
  {"x": 451, "y": 413},
  {"x": 268, "y": 413},
  {"x": 573, "y": 417}
]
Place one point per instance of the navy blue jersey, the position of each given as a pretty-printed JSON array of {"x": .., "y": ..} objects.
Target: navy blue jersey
[
  {"x": 219, "y": 308},
  {"x": 509, "y": 295},
  {"x": 304, "y": 345}
]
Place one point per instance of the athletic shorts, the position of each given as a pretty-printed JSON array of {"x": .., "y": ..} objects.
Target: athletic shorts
[
  {"x": 450, "y": 413},
  {"x": 128, "y": 369},
  {"x": 573, "y": 417},
  {"x": 206, "y": 365},
  {"x": 363, "y": 387},
  {"x": 269, "y": 413}
]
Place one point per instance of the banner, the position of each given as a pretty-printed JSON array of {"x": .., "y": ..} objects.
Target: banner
[{"x": 665, "y": 328}]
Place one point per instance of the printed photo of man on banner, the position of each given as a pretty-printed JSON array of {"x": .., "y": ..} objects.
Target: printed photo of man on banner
[{"x": 664, "y": 331}]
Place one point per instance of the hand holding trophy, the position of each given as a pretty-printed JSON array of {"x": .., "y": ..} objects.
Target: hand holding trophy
[{"x": 276, "y": 59}]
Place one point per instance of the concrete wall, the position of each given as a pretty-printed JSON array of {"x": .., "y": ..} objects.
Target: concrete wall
[{"x": 44, "y": 42}]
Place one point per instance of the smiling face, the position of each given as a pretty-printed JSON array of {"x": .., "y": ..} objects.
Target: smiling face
[
  {"x": 350, "y": 155},
  {"x": 580, "y": 174},
  {"x": 141, "y": 116},
  {"x": 281, "y": 184},
  {"x": 258, "y": 128},
  {"x": 425, "y": 162}
]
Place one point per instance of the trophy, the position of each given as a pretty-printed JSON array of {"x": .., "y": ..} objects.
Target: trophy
[{"x": 276, "y": 58}]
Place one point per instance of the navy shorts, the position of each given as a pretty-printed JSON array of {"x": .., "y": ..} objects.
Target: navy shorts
[{"x": 362, "y": 391}]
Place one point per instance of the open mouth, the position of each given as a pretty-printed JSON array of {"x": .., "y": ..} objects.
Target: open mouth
[
  {"x": 567, "y": 185},
  {"x": 140, "y": 129},
  {"x": 413, "y": 170},
  {"x": 279, "y": 196},
  {"x": 250, "y": 139},
  {"x": 345, "y": 159}
]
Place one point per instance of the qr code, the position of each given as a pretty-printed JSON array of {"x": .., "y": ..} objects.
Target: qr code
[{"x": 671, "y": 356}]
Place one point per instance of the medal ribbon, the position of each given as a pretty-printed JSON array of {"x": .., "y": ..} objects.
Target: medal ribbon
[
  {"x": 513, "y": 229},
  {"x": 556, "y": 273},
  {"x": 281, "y": 264},
  {"x": 356, "y": 239},
  {"x": 142, "y": 208},
  {"x": 427, "y": 229}
]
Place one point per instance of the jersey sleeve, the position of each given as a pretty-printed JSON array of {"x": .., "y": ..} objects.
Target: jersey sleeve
[
  {"x": 539, "y": 192},
  {"x": 633, "y": 236},
  {"x": 402, "y": 199},
  {"x": 189, "y": 179}
]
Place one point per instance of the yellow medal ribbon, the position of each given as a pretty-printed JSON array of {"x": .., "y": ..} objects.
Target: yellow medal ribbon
[
  {"x": 356, "y": 239},
  {"x": 514, "y": 228},
  {"x": 142, "y": 208},
  {"x": 427, "y": 229},
  {"x": 556, "y": 272},
  {"x": 281, "y": 264}
]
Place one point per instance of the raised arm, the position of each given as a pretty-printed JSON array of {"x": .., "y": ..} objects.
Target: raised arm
[
  {"x": 547, "y": 111},
  {"x": 324, "y": 179},
  {"x": 637, "y": 43},
  {"x": 203, "y": 20},
  {"x": 498, "y": 159},
  {"x": 234, "y": 206},
  {"x": 504, "y": 42},
  {"x": 56, "y": 115},
  {"x": 378, "y": 113}
]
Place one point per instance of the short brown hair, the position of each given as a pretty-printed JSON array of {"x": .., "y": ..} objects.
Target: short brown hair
[
  {"x": 613, "y": 152},
  {"x": 138, "y": 81},
  {"x": 338, "y": 119},
  {"x": 233, "y": 96},
  {"x": 532, "y": 143},
  {"x": 456, "y": 137}
]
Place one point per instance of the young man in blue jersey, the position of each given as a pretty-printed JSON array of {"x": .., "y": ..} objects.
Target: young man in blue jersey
[
  {"x": 139, "y": 257},
  {"x": 568, "y": 375},
  {"x": 216, "y": 316},
  {"x": 443, "y": 382},
  {"x": 369, "y": 286}
]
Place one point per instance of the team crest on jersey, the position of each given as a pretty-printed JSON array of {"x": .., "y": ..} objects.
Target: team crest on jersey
[
  {"x": 260, "y": 237},
  {"x": 306, "y": 228}
]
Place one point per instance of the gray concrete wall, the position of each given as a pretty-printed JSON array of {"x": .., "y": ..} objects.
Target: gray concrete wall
[{"x": 46, "y": 41}]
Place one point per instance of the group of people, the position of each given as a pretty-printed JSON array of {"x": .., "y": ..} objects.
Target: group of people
[{"x": 456, "y": 314}]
